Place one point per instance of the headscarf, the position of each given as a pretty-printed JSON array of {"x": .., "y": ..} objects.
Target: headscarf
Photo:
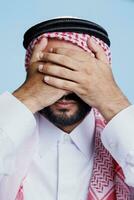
[{"x": 79, "y": 39}]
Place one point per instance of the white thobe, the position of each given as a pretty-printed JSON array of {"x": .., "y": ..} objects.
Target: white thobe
[{"x": 61, "y": 160}]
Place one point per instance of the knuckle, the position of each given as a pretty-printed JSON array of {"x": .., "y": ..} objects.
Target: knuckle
[
  {"x": 47, "y": 68},
  {"x": 65, "y": 84},
  {"x": 60, "y": 50},
  {"x": 62, "y": 59},
  {"x": 62, "y": 83},
  {"x": 58, "y": 82},
  {"x": 43, "y": 69},
  {"x": 46, "y": 56},
  {"x": 55, "y": 50},
  {"x": 60, "y": 72}
]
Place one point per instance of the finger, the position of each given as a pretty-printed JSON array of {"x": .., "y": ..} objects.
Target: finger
[
  {"x": 60, "y": 60},
  {"x": 58, "y": 71},
  {"x": 60, "y": 83},
  {"x": 38, "y": 49},
  {"x": 34, "y": 67},
  {"x": 79, "y": 55},
  {"x": 98, "y": 50}
]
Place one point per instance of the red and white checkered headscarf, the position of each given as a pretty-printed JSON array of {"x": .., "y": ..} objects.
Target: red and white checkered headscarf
[
  {"x": 107, "y": 180},
  {"x": 78, "y": 39}
]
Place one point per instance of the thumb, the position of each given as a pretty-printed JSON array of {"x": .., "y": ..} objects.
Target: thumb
[
  {"x": 97, "y": 50},
  {"x": 39, "y": 47}
]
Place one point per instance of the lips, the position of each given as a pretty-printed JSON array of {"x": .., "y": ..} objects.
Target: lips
[{"x": 65, "y": 103}]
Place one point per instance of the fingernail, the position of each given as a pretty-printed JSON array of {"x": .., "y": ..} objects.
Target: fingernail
[
  {"x": 46, "y": 78},
  {"x": 40, "y": 68},
  {"x": 41, "y": 55},
  {"x": 51, "y": 50},
  {"x": 43, "y": 42}
]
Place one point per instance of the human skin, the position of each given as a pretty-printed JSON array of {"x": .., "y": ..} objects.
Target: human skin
[
  {"x": 33, "y": 92},
  {"x": 58, "y": 68}
]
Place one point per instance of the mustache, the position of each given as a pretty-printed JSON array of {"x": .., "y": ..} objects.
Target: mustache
[{"x": 72, "y": 97}]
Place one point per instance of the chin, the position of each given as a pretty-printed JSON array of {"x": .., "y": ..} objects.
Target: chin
[{"x": 66, "y": 115}]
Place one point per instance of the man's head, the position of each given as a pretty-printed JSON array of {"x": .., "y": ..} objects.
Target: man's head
[{"x": 70, "y": 109}]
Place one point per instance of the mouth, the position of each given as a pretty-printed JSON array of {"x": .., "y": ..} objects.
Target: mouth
[{"x": 65, "y": 103}]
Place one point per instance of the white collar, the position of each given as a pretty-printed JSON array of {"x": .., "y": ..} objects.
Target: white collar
[{"x": 82, "y": 136}]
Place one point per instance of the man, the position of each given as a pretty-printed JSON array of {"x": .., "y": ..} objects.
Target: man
[{"x": 52, "y": 130}]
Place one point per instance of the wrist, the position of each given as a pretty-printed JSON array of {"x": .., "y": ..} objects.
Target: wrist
[
  {"x": 111, "y": 107},
  {"x": 27, "y": 100}
]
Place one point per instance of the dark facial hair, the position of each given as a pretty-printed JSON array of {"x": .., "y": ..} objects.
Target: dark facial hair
[{"x": 62, "y": 120}]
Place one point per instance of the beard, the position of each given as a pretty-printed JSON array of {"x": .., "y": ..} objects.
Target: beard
[{"x": 62, "y": 118}]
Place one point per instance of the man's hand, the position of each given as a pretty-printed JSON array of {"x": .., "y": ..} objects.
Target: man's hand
[
  {"x": 34, "y": 93},
  {"x": 90, "y": 77}
]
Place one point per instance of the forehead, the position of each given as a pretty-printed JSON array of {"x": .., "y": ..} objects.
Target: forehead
[{"x": 55, "y": 43}]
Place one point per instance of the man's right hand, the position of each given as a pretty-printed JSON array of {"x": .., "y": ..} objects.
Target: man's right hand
[{"x": 34, "y": 93}]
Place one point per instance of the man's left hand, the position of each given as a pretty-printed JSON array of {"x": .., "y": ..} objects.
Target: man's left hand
[{"x": 89, "y": 77}]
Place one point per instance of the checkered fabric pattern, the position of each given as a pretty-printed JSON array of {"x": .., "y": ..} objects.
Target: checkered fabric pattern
[
  {"x": 78, "y": 39},
  {"x": 107, "y": 180}
]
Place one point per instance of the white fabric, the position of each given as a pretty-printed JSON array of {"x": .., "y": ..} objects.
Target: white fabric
[
  {"x": 63, "y": 163},
  {"x": 10, "y": 118},
  {"x": 118, "y": 130},
  {"x": 118, "y": 138}
]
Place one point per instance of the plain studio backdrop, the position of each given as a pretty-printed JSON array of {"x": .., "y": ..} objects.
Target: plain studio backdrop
[{"x": 116, "y": 16}]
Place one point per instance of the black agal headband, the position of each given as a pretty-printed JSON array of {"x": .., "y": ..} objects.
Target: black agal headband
[{"x": 66, "y": 24}]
